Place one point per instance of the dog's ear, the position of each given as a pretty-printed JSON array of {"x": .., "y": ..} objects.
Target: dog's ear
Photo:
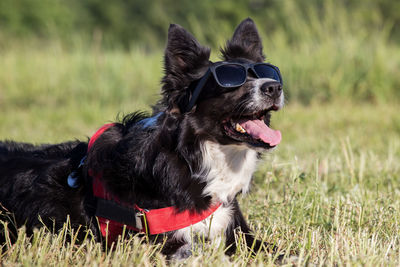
[
  {"x": 185, "y": 61},
  {"x": 245, "y": 43}
]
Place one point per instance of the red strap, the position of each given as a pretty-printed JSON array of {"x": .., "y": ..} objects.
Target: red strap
[
  {"x": 110, "y": 229},
  {"x": 98, "y": 133},
  {"x": 157, "y": 220},
  {"x": 170, "y": 219}
]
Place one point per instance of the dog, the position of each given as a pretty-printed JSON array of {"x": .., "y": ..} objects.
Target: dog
[{"x": 173, "y": 173}]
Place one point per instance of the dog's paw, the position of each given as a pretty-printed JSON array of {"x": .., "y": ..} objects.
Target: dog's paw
[{"x": 182, "y": 253}]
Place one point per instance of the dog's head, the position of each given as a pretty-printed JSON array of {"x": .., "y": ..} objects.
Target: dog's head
[{"x": 238, "y": 115}]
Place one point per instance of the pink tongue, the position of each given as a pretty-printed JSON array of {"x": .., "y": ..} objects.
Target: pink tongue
[{"x": 259, "y": 130}]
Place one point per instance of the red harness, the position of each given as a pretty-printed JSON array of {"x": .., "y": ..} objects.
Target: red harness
[{"x": 155, "y": 221}]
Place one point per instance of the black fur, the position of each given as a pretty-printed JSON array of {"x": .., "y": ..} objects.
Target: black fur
[
  {"x": 246, "y": 43},
  {"x": 153, "y": 167}
]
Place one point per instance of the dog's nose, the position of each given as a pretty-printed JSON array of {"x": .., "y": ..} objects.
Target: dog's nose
[{"x": 272, "y": 89}]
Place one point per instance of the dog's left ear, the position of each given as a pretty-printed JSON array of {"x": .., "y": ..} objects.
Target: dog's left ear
[
  {"x": 185, "y": 61},
  {"x": 245, "y": 43}
]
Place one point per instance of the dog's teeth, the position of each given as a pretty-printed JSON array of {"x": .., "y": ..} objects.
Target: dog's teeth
[{"x": 239, "y": 128}]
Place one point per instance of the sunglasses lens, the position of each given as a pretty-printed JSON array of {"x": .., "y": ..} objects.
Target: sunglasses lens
[
  {"x": 230, "y": 75},
  {"x": 266, "y": 71}
]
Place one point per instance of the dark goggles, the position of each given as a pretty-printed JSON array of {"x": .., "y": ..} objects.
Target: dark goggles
[{"x": 232, "y": 75}]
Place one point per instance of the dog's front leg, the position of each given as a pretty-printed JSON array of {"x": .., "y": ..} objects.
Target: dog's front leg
[
  {"x": 240, "y": 223},
  {"x": 175, "y": 249}
]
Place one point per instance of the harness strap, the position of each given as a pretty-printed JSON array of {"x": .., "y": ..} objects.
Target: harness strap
[
  {"x": 114, "y": 214},
  {"x": 98, "y": 133},
  {"x": 125, "y": 215}
]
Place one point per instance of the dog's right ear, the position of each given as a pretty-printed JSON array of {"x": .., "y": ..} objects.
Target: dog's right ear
[
  {"x": 245, "y": 43},
  {"x": 185, "y": 59}
]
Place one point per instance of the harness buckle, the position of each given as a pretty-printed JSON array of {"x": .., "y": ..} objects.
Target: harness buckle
[{"x": 141, "y": 221}]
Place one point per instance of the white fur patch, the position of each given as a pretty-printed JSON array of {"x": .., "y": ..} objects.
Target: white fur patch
[
  {"x": 228, "y": 171},
  {"x": 230, "y": 168}
]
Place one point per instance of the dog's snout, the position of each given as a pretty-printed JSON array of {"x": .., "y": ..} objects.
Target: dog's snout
[{"x": 272, "y": 89}]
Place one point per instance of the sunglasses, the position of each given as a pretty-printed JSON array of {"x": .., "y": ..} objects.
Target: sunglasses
[{"x": 232, "y": 75}]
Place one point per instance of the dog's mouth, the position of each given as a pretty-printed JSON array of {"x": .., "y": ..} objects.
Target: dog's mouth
[{"x": 253, "y": 129}]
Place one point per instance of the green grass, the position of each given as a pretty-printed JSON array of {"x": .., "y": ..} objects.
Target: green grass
[{"x": 329, "y": 193}]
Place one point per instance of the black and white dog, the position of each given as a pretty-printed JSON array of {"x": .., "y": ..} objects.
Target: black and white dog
[{"x": 193, "y": 155}]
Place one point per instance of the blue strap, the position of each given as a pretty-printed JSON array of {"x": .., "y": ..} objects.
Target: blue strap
[{"x": 148, "y": 122}]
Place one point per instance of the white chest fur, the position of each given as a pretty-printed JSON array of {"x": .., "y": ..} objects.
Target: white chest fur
[{"x": 229, "y": 170}]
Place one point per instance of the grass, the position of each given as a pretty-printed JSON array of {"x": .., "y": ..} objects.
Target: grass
[
  {"x": 330, "y": 193},
  {"x": 85, "y": 88}
]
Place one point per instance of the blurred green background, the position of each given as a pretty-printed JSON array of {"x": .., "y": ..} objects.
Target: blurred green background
[{"x": 77, "y": 63}]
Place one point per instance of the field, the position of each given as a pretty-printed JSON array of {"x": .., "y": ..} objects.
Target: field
[{"x": 329, "y": 194}]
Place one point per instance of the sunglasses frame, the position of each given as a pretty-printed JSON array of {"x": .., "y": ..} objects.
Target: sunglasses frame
[
  {"x": 212, "y": 70},
  {"x": 246, "y": 66}
]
